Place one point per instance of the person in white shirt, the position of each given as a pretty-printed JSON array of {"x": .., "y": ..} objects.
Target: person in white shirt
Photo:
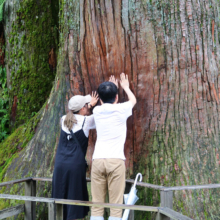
[
  {"x": 69, "y": 176},
  {"x": 108, "y": 166}
]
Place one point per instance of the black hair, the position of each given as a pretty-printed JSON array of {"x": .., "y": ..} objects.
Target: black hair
[{"x": 107, "y": 92}]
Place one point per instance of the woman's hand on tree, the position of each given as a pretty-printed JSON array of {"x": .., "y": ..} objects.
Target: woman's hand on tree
[
  {"x": 94, "y": 99},
  {"x": 113, "y": 80}
]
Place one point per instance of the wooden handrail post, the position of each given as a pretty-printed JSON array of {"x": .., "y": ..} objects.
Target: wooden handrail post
[
  {"x": 159, "y": 216},
  {"x": 51, "y": 211},
  {"x": 127, "y": 190},
  {"x": 59, "y": 211},
  {"x": 166, "y": 200},
  {"x": 30, "y": 207},
  {"x": 55, "y": 211}
]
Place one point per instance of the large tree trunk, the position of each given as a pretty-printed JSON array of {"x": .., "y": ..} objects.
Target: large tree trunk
[
  {"x": 31, "y": 43},
  {"x": 170, "y": 50}
]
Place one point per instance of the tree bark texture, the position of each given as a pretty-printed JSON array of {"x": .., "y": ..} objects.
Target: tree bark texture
[{"x": 170, "y": 51}]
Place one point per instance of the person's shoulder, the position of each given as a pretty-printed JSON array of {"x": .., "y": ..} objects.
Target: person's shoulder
[
  {"x": 124, "y": 104},
  {"x": 78, "y": 116},
  {"x": 89, "y": 116},
  {"x": 63, "y": 127},
  {"x": 123, "y": 107},
  {"x": 106, "y": 107},
  {"x": 97, "y": 108},
  {"x": 63, "y": 117}
]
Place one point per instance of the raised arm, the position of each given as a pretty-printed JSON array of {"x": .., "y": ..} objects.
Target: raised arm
[{"x": 125, "y": 85}]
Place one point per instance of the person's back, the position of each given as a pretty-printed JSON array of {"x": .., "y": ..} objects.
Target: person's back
[
  {"x": 108, "y": 167},
  {"x": 111, "y": 129}
]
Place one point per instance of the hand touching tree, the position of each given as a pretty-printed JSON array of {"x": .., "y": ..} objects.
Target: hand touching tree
[
  {"x": 94, "y": 99},
  {"x": 124, "y": 82},
  {"x": 113, "y": 80}
]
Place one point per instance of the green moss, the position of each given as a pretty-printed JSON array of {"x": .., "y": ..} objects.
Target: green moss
[
  {"x": 9, "y": 150},
  {"x": 29, "y": 57},
  {"x": 10, "y": 147}
]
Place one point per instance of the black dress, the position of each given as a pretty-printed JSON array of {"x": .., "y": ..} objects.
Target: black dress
[{"x": 69, "y": 177}]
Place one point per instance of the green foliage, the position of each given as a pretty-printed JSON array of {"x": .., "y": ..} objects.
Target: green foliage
[
  {"x": 1, "y": 9},
  {"x": 4, "y": 113}
]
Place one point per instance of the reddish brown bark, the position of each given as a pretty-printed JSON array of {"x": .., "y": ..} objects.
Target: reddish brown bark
[{"x": 170, "y": 50}]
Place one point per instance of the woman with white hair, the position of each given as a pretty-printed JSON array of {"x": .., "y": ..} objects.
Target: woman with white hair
[{"x": 69, "y": 177}]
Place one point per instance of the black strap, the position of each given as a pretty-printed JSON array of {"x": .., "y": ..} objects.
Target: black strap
[
  {"x": 84, "y": 122},
  {"x": 73, "y": 135},
  {"x": 76, "y": 140}
]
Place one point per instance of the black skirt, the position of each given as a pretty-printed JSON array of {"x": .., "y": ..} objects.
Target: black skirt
[{"x": 69, "y": 177}]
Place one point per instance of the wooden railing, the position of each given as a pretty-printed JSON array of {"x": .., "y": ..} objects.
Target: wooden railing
[{"x": 55, "y": 206}]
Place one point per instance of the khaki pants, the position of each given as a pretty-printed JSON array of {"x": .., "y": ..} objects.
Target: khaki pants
[{"x": 107, "y": 174}]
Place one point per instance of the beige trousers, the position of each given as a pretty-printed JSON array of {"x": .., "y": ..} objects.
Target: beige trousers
[{"x": 107, "y": 174}]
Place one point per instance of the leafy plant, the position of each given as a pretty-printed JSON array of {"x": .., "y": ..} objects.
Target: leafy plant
[{"x": 4, "y": 105}]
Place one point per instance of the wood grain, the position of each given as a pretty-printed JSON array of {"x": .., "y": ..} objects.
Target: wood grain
[{"x": 5, "y": 213}]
